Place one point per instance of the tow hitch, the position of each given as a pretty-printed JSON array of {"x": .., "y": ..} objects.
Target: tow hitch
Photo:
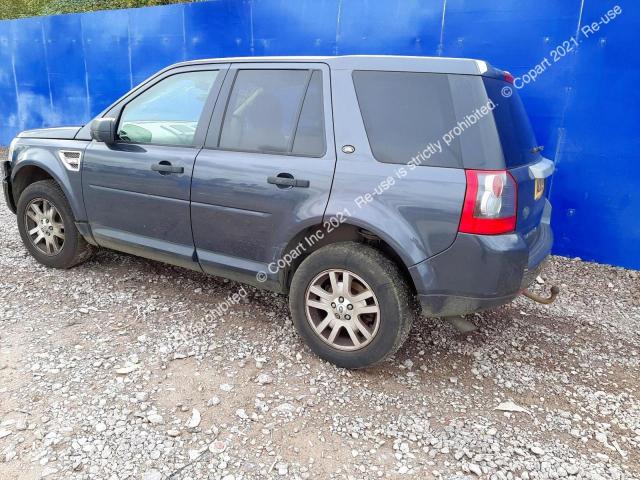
[{"x": 555, "y": 290}]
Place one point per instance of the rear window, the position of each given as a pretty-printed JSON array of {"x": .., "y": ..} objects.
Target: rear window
[{"x": 516, "y": 135}]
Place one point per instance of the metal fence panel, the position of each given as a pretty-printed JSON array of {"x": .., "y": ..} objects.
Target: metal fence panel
[{"x": 62, "y": 70}]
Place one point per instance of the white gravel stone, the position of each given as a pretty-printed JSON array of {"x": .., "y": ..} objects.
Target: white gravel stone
[
  {"x": 537, "y": 450},
  {"x": 194, "y": 420},
  {"x": 264, "y": 379},
  {"x": 569, "y": 367},
  {"x": 152, "y": 475},
  {"x": 155, "y": 418}
]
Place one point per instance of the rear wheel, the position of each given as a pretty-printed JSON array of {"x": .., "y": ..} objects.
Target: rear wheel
[
  {"x": 351, "y": 304},
  {"x": 47, "y": 226}
]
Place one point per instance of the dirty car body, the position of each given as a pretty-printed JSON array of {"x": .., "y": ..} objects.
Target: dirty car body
[{"x": 229, "y": 166}]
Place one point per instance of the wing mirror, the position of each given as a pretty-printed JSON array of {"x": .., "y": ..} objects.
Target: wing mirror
[{"x": 103, "y": 130}]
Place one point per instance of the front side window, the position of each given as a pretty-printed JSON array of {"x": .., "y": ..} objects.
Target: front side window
[
  {"x": 167, "y": 113},
  {"x": 275, "y": 111}
]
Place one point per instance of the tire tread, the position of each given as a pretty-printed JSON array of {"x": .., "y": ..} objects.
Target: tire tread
[
  {"x": 368, "y": 256},
  {"x": 83, "y": 250}
]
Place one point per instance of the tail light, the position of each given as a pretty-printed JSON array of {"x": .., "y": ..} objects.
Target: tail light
[
  {"x": 490, "y": 203},
  {"x": 508, "y": 77}
]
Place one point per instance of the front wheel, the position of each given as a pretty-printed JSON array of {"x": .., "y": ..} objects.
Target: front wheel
[
  {"x": 351, "y": 304},
  {"x": 47, "y": 226}
]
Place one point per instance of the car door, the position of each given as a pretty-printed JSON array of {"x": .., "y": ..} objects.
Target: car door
[
  {"x": 137, "y": 190},
  {"x": 265, "y": 172}
]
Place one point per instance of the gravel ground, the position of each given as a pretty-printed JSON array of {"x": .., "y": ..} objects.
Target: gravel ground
[{"x": 119, "y": 369}]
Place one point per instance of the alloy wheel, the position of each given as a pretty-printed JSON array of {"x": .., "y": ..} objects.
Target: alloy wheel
[
  {"x": 342, "y": 309},
  {"x": 44, "y": 226}
]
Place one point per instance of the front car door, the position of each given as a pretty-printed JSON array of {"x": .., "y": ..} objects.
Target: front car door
[
  {"x": 265, "y": 172},
  {"x": 137, "y": 190}
]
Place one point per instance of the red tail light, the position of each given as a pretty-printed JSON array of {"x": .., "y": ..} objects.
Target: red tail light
[
  {"x": 489, "y": 203},
  {"x": 508, "y": 77}
]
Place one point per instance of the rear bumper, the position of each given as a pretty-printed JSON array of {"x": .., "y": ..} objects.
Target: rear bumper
[{"x": 481, "y": 271}]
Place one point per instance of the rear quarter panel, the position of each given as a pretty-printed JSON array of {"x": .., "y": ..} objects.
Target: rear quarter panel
[{"x": 415, "y": 210}]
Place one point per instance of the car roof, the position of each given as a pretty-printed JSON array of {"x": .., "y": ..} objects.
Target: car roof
[{"x": 466, "y": 66}]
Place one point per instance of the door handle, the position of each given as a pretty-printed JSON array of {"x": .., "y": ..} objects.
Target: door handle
[
  {"x": 287, "y": 181},
  {"x": 165, "y": 167}
]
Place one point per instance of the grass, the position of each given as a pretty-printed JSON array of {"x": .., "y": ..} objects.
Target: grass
[{"x": 32, "y": 8}]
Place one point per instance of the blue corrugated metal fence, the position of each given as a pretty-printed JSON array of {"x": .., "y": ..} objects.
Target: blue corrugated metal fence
[{"x": 62, "y": 70}]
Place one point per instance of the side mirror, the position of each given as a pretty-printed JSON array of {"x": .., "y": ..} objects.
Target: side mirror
[{"x": 103, "y": 130}]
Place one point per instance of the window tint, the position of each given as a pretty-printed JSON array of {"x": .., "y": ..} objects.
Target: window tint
[
  {"x": 479, "y": 141},
  {"x": 266, "y": 107},
  {"x": 516, "y": 135},
  {"x": 310, "y": 138},
  {"x": 405, "y": 112},
  {"x": 168, "y": 112}
]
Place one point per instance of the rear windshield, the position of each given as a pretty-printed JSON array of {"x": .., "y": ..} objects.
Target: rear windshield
[
  {"x": 432, "y": 119},
  {"x": 514, "y": 128}
]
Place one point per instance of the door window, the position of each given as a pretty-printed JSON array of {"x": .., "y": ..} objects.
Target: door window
[
  {"x": 309, "y": 138},
  {"x": 275, "y": 111},
  {"x": 167, "y": 113}
]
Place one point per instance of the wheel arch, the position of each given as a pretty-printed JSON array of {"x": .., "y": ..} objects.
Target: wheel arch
[
  {"x": 26, "y": 175},
  {"x": 345, "y": 232},
  {"x": 29, "y": 171}
]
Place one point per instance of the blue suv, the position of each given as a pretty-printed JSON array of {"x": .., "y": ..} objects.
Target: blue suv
[{"x": 364, "y": 187}]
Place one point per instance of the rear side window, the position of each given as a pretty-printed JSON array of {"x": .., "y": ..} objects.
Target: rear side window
[
  {"x": 168, "y": 112},
  {"x": 516, "y": 135},
  {"x": 405, "y": 112},
  {"x": 310, "y": 137},
  {"x": 275, "y": 111}
]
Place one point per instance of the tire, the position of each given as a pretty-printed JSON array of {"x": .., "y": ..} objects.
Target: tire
[
  {"x": 368, "y": 270},
  {"x": 65, "y": 252}
]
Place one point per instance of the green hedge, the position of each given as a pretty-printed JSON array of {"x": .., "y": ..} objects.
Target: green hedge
[{"x": 32, "y": 8}]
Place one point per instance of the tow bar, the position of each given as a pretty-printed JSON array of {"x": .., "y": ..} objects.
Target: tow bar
[{"x": 555, "y": 290}]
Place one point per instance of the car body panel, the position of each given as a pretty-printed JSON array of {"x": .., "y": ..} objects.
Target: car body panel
[
  {"x": 225, "y": 219},
  {"x": 43, "y": 153},
  {"x": 56, "y": 133},
  {"x": 482, "y": 271},
  {"x": 417, "y": 210},
  {"x": 149, "y": 211},
  {"x": 530, "y": 208},
  {"x": 242, "y": 223},
  {"x": 145, "y": 208}
]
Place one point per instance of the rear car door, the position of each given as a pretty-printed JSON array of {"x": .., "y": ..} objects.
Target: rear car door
[
  {"x": 265, "y": 172},
  {"x": 137, "y": 190}
]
